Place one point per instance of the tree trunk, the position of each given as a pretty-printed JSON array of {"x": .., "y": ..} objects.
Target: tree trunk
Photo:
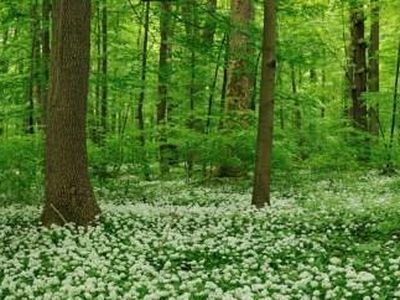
[
  {"x": 262, "y": 174},
  {"x": 163, "y": 80},
  {"x": 140, "y": 115},
  {"x": 33, "y": 85},
  {"x": 191, "y": 25},
  {"x": 224, "y": 84},
  {"x": 213, "y": 86},
  {"x": 241, "y": 63},
  {"x": 374, "y": 67},
  {"x": 358, "y": 110},
  {"x": 69, "y": 195},
  {"x": 104, "y": 75},
  {"x": 390, "y": 165},
  {"x": 297, "y": 110}
]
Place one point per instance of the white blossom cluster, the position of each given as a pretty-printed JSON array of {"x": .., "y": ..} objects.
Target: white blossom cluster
[{"x": 181, "y": 249}]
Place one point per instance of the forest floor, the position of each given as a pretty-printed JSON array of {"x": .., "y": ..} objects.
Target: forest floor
[{"x": 323, "y": 239}]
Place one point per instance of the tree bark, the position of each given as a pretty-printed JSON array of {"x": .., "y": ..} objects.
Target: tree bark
[
  {"x": 69, "y": 195},
  {"x": 262, "y": 173},
  {"x": 163, "y": 80},
  {"x": 140, "y": 115},
  {"x": 241, "y": 63},
  {"x": 358, "y": 110}
]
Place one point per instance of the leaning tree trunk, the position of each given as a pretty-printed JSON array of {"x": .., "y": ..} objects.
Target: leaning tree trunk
[
  {"x": 262, "y": 174},
  {"x": 69, "y": 195}
]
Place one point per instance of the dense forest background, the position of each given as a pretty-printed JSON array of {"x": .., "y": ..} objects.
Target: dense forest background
[
  {"x": 166, "y": 100},
  {"x": 199, "y": 149}
]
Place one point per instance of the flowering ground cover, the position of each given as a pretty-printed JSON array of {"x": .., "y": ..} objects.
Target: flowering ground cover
[{"x": 334, "y": 239}]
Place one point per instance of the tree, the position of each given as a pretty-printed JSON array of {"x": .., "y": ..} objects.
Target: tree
[
  {"x": 240, "y": 68},
  {"x": 104, "y": 72},
  {"x": 140, "y": 115},
  {"x": 163, "y": 80},
  {"x": 33, "y": 86},
  {"x": 262, "y": 174},
  {"x": 373, "y": 53},
  {"x": 69, "y": 195},
  {"x": 358, "y": 75}
]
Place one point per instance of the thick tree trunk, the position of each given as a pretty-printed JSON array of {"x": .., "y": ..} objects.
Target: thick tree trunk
[
  {"x": 163, "y": 80},
  {"x": 262, "y": 174},
  {"x": 69, "y": 195},
  {"x": 373, "y": 82},
  {"x": 241, "y": 63},
  {"x": 358, "y": 110}
]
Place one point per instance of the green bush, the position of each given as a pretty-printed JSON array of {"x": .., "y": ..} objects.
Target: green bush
[{"x": 21, "y": 170}]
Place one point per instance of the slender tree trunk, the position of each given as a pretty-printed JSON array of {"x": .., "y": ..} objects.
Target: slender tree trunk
[
  {"x": 213, "y": 86},
  {"x": 262, "y": 174},
  {"x": 33, "y": 86},
  {"x": 46, "y": 15},
  {"x": 140, "y": 115},
  {"x": 163, "y": 80},
  {"x": 191, "y": 25},
  {"x": 297, "y": 109},
  {"x": 389, "y": 166},
  {"x": 69, "y": 195},
  {"x": 104, "y": 72},
  {"x": 281, "y": 103},
  {"x": 253, "y": 92},
  {"x": 4, "y": 64},
  {"x": 224, "y": 84},
  {"x": 374, "y": 66}
]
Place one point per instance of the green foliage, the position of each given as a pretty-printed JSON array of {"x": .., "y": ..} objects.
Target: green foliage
[{"x": 21, "y": 175}]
